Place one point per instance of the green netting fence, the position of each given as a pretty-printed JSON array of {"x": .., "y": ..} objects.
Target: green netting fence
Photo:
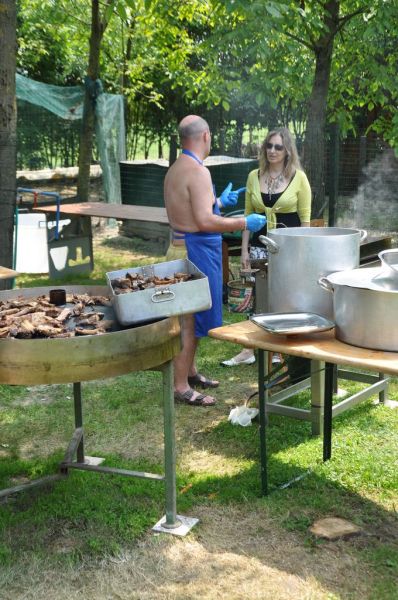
[{"x": 49, "y": 119}]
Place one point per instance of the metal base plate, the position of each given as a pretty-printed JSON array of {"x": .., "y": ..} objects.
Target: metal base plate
[
  {"x": 186, "y": 525},
  {"x": 387, "y": 403},
  {"x": 93, "y": 460}
]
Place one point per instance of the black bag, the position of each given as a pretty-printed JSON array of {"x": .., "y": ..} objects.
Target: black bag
[{"x": 298, "y": 368}]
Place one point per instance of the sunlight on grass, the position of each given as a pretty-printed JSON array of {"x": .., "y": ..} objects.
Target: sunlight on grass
[{"x": 88, "y": 516}]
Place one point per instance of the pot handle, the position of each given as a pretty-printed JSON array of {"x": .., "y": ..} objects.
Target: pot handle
[
  {"x": 325, "y": 284},
  {"x": 271, "y": 245},
  {"x": 364, "y": 235},
  {"x": 162, "y": 296}
]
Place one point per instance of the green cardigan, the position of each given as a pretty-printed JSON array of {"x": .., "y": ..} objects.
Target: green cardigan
[{"x": 295, "y": 198}]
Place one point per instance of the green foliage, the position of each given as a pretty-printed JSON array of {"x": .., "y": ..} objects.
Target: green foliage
[
  {"x": 52, "y": 41},
  {"x": 241, "y": 60},
  {"x": 287, "y": 37}
]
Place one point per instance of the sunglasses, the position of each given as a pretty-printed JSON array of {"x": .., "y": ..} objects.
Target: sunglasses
[{"x": 277, "y": 147}]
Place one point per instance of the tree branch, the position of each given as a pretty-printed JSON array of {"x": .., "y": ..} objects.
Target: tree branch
[
  {"x": 312, "y": 44},
  {"x": 344, "y": 20},
  {"x": 300, "y": 40}
]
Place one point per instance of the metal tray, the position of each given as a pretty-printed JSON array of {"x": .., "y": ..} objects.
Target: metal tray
[
  {"x": 163, "y": 301},
  {"x": 292, "y": 323}
]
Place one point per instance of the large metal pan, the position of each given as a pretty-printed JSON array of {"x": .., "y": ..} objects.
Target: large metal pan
[
  {"x": 162, "y": 301},
  {"x": 75, "y": 359}
]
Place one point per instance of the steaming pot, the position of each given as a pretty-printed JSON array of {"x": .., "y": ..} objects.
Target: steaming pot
[
  {"x": 365, "y": 307},
  {"x": 299, "y": 256}
]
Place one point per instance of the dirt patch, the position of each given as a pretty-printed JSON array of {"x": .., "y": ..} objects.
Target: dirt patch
[
  {"x": 235, "y": 553},
  {"x": 39, "y": 394}
]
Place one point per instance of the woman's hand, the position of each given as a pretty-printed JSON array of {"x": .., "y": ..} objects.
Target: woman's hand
[{"x": 244, "y": 259}]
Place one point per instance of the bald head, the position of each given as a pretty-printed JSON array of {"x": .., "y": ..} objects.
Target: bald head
[{"x": 191, "y": 127}]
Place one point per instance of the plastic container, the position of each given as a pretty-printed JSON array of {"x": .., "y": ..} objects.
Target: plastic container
[{"x": 32, "y": 247}]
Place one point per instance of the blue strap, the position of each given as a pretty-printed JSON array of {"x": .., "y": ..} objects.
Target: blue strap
[{"x": 192, "y": 155}]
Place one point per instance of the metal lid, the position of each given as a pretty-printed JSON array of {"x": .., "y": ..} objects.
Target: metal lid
[{"x": 375, "y": 278}]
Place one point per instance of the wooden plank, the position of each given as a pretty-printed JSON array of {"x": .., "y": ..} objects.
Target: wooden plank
[
  {"x": 110, "y": 211},
  {"x": 319, "y": 346},
  {"x": 7, "y": 273}
]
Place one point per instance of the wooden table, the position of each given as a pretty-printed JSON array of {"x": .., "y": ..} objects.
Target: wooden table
[
  {"x": 84, "y": 243},
  {"x": 7, "y": 273},
  {"x": 321, "y": 347},
  {"x": 110, "y": 211}
]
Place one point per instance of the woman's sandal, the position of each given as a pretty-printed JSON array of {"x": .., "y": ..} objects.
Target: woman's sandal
[
  {"x": 202, "y": 381},
  {"x": 199, "y": 400}
]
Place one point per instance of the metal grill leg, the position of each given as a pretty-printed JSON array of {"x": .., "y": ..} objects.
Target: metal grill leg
[
  {"x": 169, "y": 447},
  {"x": 77, "y": 396}
]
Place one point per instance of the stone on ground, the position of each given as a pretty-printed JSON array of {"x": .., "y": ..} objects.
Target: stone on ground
[{"x": 333, "y": 528}]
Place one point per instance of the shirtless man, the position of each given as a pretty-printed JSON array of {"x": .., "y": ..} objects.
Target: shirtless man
[{"x": 193, "y": 209}]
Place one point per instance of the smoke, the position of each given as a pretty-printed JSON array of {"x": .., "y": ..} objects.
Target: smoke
[{"x": 375, "y": 205}]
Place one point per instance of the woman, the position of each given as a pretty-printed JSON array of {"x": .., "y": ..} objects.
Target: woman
[{"x": 280, "y": 189}]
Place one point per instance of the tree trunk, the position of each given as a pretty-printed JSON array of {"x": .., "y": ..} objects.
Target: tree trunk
[
  {"x": 314, "y": 143},
  {"x": 8, "y": 137},
  {"x": 88, "y": 121},
  {"x": 238, "y": 136},
  {"x": 173, "y": 148}
]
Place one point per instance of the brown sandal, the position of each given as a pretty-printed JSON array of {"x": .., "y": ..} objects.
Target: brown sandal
[
  {"x": 187, "y": 398},
  {"x": 202, "y": 381}
]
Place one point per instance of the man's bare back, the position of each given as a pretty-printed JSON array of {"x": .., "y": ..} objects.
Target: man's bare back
[{"x": 187, "y": 191}]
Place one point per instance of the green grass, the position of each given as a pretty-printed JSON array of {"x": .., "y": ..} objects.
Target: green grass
[{"x": 90, "y": 516}]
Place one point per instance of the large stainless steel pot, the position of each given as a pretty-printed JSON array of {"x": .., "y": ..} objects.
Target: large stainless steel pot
[
  {"x": 365, "y": 307},
  {"x": 299, "y": 256}
]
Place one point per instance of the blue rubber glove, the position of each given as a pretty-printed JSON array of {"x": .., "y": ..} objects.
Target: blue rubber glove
[
  {"x": 255, "y": 222},
  {"x": 229, "y": 197}
]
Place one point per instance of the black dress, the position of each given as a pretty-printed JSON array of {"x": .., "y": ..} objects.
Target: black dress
[{"x": 282, "y": 219}]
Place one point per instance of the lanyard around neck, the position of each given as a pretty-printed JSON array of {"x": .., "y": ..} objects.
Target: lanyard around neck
[{"x": 192, "y": 155}]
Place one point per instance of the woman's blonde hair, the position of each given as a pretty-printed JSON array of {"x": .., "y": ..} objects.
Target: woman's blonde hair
[{"x": 292, "y": 161}]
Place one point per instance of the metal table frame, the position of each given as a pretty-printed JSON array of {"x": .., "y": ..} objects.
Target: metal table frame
[
  {"x": 320, "y": 347},
  {"x": 316, "y": 382},
  {"x": 322, "y": 383},
  {"x": 75, "y": 457}
]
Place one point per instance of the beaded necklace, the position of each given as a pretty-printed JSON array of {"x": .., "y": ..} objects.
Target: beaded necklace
[{"x": 273, "y": 182}]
